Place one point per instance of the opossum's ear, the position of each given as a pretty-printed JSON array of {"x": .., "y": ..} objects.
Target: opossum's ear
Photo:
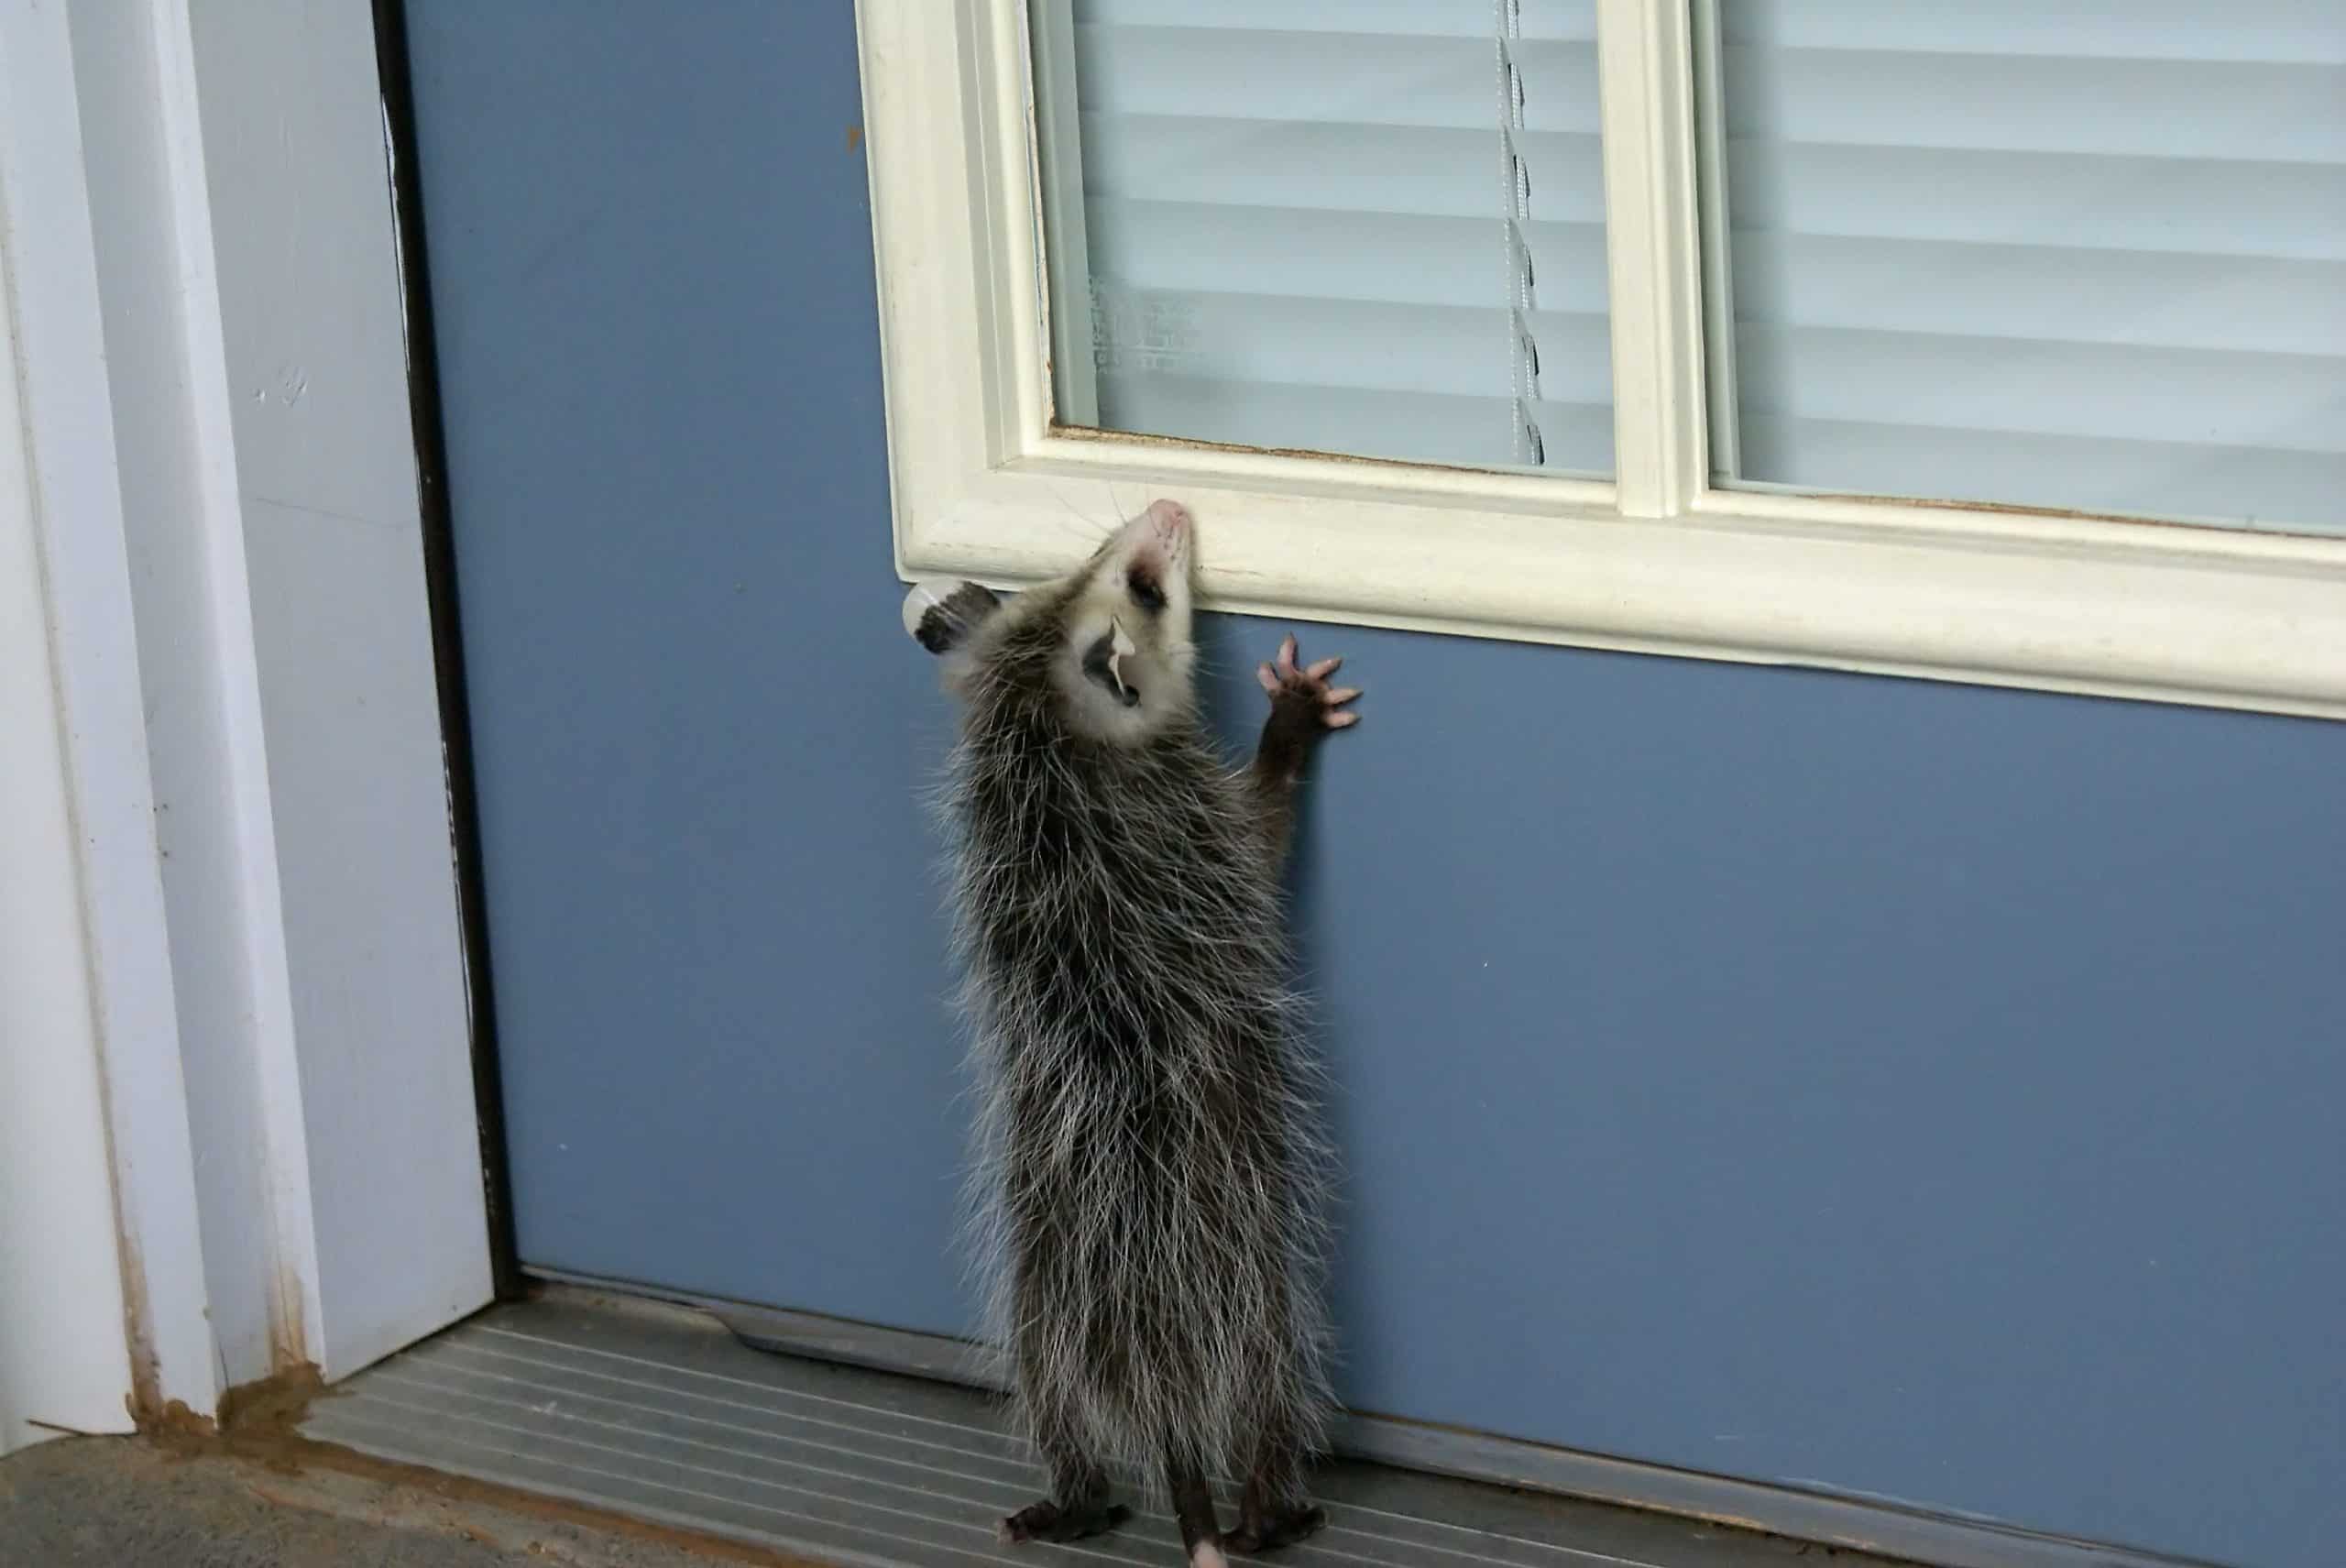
[{"x": 940, "y": 613}]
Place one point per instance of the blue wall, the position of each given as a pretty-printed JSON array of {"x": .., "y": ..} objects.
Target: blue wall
[{"x": 1899, "y": 1088}]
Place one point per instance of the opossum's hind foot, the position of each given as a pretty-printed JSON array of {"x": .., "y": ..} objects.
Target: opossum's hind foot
[
  {"x": 1275, "y": 1508},
  {"x": 1193, "y": 1506},
  {"x": 1269, "y": 1530},
  {"x": 1081, "y": 1502},
  {"x": 1049, "y": 1520}
]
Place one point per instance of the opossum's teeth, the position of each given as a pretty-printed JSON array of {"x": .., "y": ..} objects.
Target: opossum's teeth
[
  {"x": 1101, "y": 664},
  {"x": 1121, "y": 645}
]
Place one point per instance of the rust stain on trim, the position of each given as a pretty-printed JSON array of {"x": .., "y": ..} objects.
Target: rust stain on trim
[
  {"x": 146, "y": 1396},
  {"x": 854, "y": 137},
  {"x": 252, "y": 1415},
  {"x": 289, "y": 1349}
]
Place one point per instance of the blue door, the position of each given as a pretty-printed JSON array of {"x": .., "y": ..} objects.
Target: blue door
[{"x": 1897, "y": 1089}]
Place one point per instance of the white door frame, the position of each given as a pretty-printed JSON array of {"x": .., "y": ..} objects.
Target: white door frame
[{"x": 211, "y": 484}]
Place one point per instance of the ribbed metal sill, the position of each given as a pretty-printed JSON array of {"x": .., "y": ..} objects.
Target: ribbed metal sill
[{"x": 660, "y": 1413}]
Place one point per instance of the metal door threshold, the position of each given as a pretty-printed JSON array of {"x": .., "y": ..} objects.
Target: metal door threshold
[{"x": 660, "y": 1413}]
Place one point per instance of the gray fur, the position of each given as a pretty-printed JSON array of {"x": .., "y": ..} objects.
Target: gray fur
[{"x": 1151, "y": 1178}]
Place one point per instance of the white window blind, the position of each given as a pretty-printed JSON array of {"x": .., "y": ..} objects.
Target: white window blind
[
  {"x": 1359, "y": 226},
  {"x": 2087, "y": 255}
]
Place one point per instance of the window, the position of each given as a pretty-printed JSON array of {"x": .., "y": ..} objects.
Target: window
[
  {"x": 1362, "y": 228},
  {"x": 2089, "y": 257},
  {"x": 1880, "y": 337}
]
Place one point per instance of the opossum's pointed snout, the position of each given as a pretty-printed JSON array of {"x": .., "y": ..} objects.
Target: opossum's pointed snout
[
  {"x": 1169, "y": 521},
  {"x": 1162, "y": 532}
]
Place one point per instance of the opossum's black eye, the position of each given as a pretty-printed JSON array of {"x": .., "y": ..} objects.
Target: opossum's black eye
[{"x": 1145, "y": 591}]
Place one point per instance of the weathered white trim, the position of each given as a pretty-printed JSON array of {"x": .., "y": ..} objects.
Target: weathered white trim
[
  {"x": 199, "y": 234},
  {"x": 306, "y": 266},
  {"x": 291, "y": 1315},
  {"x": 76, "y": 505},
  {"x": 64, "y": 1359},
  {"x": 183, "y": 536},
  {"x": 1658, "y": 563}
]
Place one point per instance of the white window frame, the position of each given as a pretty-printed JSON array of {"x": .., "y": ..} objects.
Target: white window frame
[{"x": 1655, "y": 561}]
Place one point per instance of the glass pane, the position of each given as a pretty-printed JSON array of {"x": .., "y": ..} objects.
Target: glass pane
[
  {"x": 1372, "y": 228},
  {"x": 2085, "y": 256}
]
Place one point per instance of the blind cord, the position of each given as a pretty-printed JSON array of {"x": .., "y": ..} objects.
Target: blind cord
[{"x": 1514, "y": 214}]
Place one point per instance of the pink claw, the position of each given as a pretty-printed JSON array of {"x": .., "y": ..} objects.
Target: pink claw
[{"x": 1284, "y": 672}]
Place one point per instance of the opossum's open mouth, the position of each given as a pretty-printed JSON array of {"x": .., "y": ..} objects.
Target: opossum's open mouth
[{"x": 1102, "y": 664}]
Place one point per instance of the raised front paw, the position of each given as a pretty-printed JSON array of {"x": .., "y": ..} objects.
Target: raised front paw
[{"x": 1307, "y": 687}]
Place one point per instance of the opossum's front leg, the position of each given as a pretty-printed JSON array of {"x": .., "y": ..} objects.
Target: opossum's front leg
[
  {"x": 1304, "y": 707},
  {"x": 941, "y": 613}
]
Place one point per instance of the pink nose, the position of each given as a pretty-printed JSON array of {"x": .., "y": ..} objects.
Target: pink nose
[{"x": 1170, "y": 517}]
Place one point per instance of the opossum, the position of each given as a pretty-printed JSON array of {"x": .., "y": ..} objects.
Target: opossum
[{"x": 1151, "y": 1170}]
